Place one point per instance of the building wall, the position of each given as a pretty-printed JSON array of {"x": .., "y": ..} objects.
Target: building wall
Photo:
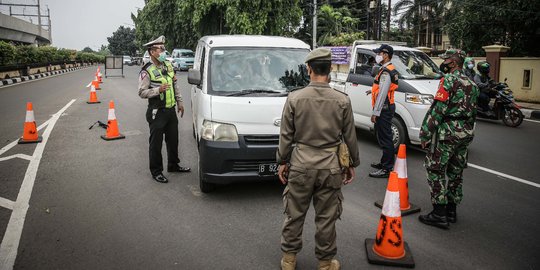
[{"x": 513, "y": 68}]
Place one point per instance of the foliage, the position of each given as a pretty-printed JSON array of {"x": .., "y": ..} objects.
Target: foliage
[
  {"x": 336, "y": 25},
  {"x": 7, "y": 53},
  {"x": 476, "y": 23},
  {"x": 421, "y": 16},
  {"x": 343, "y": 39},
  {"x": 183, "y": 22},
  {"x": 122, "y": 41},
  {"x": 88, "y": 49}
]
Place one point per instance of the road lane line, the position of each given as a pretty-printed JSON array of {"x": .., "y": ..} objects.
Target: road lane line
[
  {"x": 529, "y": 120},
  {"x": 6, "y": 203},
  {"x": 12, "y": 236},
  {"x": 13, "y": 143},
  {"x": 22, "y": 156},
  {"x": 505, "y": 175}
]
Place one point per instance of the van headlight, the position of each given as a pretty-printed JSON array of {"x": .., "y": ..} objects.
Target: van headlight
[
  {"x": 219, "y": 132},
  {"x": 419, "y": 99}
]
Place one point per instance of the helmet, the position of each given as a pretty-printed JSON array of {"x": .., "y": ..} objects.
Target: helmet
[{"x": 483, "y": 67}]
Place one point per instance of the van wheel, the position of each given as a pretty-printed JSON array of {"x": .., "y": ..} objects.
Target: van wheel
[
  {"x": 399, "y": 133},
  {"x": 204, "y": 186}
]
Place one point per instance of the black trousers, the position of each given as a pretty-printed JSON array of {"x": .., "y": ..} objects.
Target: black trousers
[
  {"x": 165, "y": 122},
  {"x": 483, "y": 101},
  {"x": 383, "y": 127}
]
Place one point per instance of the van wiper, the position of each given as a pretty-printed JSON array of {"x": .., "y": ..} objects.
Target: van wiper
[
  {"x": 251, "y": 91},
  {"x": 296, "y": 88}
]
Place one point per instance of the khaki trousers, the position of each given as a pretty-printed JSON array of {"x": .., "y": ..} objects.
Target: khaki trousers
[{"x": 324, "y": 187}]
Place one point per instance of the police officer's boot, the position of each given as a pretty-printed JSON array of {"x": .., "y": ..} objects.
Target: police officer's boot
[
  {"x": 436, "y": 218},
  {"x": 332, "y": 264},
  {"x": 288, "y": 262},
  {"x": 451, "y": 214}
]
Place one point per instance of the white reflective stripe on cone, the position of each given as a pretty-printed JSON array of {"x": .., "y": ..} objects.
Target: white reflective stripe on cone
[
  {"x": 391, "y": 204},
  {"x": 29, "y": 116},
  {"x": 401, "y": 167},
  {"x": 111, "y": 115},
  {"x": 92, "y": 89},
  {"x": 89, "y": 84}
]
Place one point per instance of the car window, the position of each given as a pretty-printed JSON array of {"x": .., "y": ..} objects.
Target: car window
[
  {"x": 187, "y": 54},
  {"x": 364, "y": 63},
  {"x": 415, "y": 65}
]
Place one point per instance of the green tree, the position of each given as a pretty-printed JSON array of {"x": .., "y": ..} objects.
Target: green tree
[
  {"x": 423, "y": 17},
  {"x": 475, "y": 23},
  {"x": 122, "y": 41},
  {"x": 88, "y": 50}
]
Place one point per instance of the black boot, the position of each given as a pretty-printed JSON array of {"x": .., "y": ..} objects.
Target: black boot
[
  {"x": 436, "y": 218},
  {"x": 451, "y": 214}
]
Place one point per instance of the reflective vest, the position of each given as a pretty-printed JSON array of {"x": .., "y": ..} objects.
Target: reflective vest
[
  {"x": 393, "y": 85},
  {"x": 157, "y": 78}
]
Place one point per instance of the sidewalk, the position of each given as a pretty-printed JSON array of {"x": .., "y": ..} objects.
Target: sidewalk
[{"x": 530, "y": 110}]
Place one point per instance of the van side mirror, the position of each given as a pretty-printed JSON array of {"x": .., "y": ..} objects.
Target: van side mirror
[{"x": 194, "y": 76}]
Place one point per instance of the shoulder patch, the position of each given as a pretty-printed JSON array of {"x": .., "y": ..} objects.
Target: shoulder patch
[{"x": 442, "y": 94}]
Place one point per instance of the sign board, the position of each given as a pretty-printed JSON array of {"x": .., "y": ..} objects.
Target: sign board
[
  {"x": 340, "y": 54},
  {"x": 114, "y": 63}
]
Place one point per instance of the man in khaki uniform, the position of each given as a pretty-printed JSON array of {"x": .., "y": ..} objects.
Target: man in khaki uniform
[{"x": 315, "y": 120}]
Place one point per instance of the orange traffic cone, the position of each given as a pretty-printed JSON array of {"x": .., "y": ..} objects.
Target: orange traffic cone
[
  {"x": 112, "y": 126},
  {"x": 30, "y": 133},
  {"x": 401, "y": 169},
  {"x": 93, "y": 96},
  {"x": 98, "y": 75},
  {"x": 95, "y": 83},
  {"x": 389, "y": 247}
]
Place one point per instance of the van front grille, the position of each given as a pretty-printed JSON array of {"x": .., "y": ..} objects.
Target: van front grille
[
  {"x": 262, "y": 139},
  {"x": 249, "y": 166}
]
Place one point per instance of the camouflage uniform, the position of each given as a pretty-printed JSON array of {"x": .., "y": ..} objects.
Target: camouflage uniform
[{"x": 449, "y": 128}]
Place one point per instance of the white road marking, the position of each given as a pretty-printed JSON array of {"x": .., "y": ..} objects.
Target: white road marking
[
  {"x": 529, "y": 120},
  {"x": 23, "y": 156},
  {"x": 505, "y": 175},
  {"x": 12, "y": 236},
  {"x": 6, "y": 203}
]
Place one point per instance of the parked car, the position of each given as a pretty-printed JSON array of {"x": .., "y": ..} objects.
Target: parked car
[
  {"x": 419, "y": 79},
  {"x": 182, "y": 59},
  {"x": 146, "y": 57},
  {"x": 239, "y": 87},
  {"x": 127, "y": 60}
]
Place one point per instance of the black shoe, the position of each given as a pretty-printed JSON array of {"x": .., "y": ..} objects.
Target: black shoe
[
  {"x": 376, "y": 165},
  {"x": 179, "y": 169},
  {"x": 160, "y": 178},
  {"x": 381, "y": 173},
  {"x": 451, "y": 214},
  {"x": 435, "y": 220}
]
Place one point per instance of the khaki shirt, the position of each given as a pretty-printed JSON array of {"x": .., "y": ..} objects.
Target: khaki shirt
[
  {"x": 313, "y": 120},
  {"x": 145, "y": 91}
]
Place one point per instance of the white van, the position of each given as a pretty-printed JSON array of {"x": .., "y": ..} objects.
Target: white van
[
  {"x": 239, "y": 86},
  {"x": 419, "y": 79}
]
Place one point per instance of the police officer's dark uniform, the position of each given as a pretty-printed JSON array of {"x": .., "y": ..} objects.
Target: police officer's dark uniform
[
  {"x": 157, "y": 84},
  {"x": 382, "y": 91},
  {"x": 315, "y": 120}
]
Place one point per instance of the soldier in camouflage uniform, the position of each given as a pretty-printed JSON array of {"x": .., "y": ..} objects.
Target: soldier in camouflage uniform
[{"x": 446, "y": 132}]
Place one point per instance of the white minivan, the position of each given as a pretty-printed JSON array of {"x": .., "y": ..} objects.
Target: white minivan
[
  {"x": 419, "y": 79},
  {"x": 239, "y": 86}
]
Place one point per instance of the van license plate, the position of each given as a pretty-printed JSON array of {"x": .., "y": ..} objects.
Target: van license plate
[{"x": 268, "y": 169}]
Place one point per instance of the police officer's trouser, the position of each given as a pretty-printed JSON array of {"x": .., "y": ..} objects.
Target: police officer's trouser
[
  {"x": 324, "y": 186},
  {"x": 165, "y": 122},
  {"x": 448, "y": 158},
  {"x": 383, "y": 127}
]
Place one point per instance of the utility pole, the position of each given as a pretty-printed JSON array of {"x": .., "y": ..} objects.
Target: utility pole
[
  {"x": 314, "y": 24},
  {"x": 388, "y": 19},
  {"x": 379, "y": 21},
  {"x": 39, "y": 16},
  {"x": 368, "y": 18}
]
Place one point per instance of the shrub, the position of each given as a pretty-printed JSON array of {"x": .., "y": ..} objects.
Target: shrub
[{"x": 7, "y": 54}]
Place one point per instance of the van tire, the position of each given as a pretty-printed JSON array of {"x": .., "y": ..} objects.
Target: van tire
[
  {"x": 204, "y": 186},
  {"x": 399, "y": 128}
]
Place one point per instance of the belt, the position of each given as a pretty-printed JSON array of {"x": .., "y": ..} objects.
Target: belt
[{"x": 328, "y": 149}]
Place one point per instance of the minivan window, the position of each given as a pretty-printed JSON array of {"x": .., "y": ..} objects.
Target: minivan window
[
  {"x": 258, "y": 70},
  {"x": 415, "y": 65},
  {"x": 187, "y": 54},
  {"x": 364, "y": 64}
]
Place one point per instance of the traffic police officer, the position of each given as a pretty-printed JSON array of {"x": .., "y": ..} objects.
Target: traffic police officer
[
  {"x": 157, "y": 84},
  {"x": 315, "y": 120},
  {"x": 448, "y": 130},
  {"x": 382, "y": 101}
]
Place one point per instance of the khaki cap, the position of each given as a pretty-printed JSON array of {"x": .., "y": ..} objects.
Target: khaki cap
[
  {"x": 158, "y": 41},
  {"x": 319, "y": 54}
]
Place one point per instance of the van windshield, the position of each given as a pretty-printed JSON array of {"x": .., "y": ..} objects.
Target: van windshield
[
  {"x": 415, "y": 65},
  {"x": 264, "y": 71},
  {"x": 187, "y": 54}
]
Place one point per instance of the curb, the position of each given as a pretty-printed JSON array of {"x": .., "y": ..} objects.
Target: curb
[
  {"x": 38, "y": 76},
  {"x": 531, "y": 114}
]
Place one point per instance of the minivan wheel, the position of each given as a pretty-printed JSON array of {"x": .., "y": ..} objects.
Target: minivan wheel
[
  {"x": 204, "y": 186},
  {"x": 399, "y": 135}
]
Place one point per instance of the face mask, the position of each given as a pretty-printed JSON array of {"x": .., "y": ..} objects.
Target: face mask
[
  {"x": 470, "y": 66},
  {"x": 378, "y": 59},
  {"x": 445, "y": 68},
  {"x": 162, "y": 57}
]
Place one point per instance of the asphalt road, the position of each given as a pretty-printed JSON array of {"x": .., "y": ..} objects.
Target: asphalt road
[{"x": 94, "y": 205}]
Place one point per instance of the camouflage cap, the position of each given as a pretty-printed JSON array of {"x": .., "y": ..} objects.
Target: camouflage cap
[
  {"x": 319, "y": 54},
  {"x": 453, "y": 53}
]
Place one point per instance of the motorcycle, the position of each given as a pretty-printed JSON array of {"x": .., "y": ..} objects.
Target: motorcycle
[{"x": 504, "y": 107}]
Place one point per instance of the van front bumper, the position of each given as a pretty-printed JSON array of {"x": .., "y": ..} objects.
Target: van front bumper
[{"x": 228, "y": 162}]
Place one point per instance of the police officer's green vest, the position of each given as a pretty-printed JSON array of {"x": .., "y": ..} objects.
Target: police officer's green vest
[{"x": 157, "y": 78}]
